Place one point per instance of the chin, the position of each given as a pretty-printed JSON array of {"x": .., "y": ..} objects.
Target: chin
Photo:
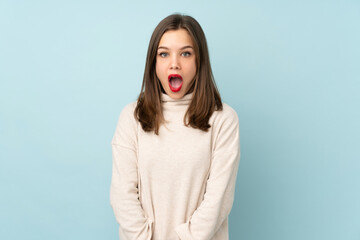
[{"x": 175, "y": 95}]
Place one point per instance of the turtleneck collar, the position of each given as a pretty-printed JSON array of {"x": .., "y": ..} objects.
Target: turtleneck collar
[
  {"x": 185, "y": 100},
  {"x": 175, "y": 105}
]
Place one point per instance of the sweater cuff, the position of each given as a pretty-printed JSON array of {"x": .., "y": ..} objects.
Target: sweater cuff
[{"x": 183, "y": 231}]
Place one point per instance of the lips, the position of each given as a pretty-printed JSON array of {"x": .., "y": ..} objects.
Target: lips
[{"x": 175, "y": 82}]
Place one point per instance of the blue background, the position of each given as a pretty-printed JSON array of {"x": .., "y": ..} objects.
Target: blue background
[{"x": 289, "y": 68}]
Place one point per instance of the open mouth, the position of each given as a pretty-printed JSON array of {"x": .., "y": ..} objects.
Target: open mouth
[{"x": 175, "y": 82}]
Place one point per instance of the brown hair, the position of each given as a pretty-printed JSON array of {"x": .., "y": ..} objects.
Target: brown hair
[{"x": 206, "y": 98}]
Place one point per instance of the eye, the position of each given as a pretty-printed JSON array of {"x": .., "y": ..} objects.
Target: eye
[
  {"x": 163, "y": 54},
  {"x": 186, "y": 54}
]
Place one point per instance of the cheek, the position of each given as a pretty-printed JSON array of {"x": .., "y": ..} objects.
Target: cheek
[
  {"x": 161, "y": 74},
  {"x": 192, "y": 69},
  {"x": 159, "y": 68}
]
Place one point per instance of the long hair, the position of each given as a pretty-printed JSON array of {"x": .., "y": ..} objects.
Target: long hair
[{"x": 206, "y": 98}]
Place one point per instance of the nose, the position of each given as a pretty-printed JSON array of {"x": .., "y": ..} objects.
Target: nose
[{"x": 174, "y": 64}]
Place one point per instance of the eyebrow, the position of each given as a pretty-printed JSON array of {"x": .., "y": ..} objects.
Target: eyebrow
[{"x": 187, "y": 46}]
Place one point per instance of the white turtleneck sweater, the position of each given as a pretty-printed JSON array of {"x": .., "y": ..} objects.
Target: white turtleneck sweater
[{"x": 176, "y": 185}]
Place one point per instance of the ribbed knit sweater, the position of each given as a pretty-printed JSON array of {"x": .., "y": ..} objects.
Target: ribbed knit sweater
[{"x": 176, "y": 185}]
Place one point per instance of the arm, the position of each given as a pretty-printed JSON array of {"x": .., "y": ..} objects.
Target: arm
[
  {"x": 124, "y": 197},
  {"x": 220, "y": 186}
]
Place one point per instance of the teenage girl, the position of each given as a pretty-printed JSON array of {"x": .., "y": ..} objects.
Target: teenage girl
[{"x": 176, "y": 149}]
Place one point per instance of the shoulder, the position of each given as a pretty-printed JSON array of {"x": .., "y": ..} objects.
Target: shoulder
[
  {"x": 229, "y": 111},
  {"x": 126, "y": 126},
  {"x": 226, "y": 115},
  {"x": 126, "y": 129},
  {"x": 126, "y": 117},
  {"x": 128, "y": 111}
]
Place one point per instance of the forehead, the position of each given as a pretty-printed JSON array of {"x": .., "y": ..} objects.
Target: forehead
[{"x": 176, "y": 38}]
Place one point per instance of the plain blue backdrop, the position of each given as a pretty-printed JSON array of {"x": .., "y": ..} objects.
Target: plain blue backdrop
[{"x": 289, "y": 68}]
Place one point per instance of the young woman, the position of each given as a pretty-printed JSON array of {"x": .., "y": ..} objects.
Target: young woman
[{"x": 175, "y": 150}]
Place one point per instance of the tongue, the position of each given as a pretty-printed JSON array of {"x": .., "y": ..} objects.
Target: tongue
[{"x": 175, "y": 82}]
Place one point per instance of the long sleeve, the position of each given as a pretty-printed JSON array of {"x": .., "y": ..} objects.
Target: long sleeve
[
  {"x": 220, "y": 186},
  {"x": 124, "y": 197}
]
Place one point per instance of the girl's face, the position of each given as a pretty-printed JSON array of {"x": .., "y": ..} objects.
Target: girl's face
[{"x": 176, "y": 62}]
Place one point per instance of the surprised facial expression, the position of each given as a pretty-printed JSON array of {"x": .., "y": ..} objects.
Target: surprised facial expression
[{"x": 176, "y": 62}]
